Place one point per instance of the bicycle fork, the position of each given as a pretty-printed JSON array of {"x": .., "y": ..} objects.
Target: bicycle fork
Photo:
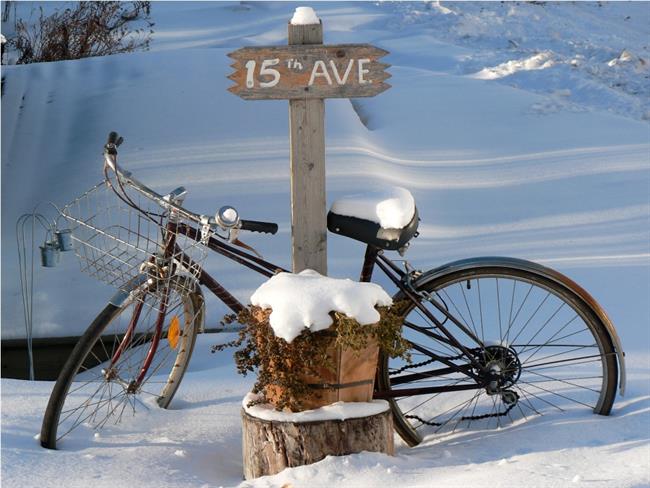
[{"x": 134, "y": 385}]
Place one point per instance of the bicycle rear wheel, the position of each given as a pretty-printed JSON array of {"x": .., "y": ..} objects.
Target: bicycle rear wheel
[
  {"x": 97, "y": 384},
  {"x": 545, "y": 348}
]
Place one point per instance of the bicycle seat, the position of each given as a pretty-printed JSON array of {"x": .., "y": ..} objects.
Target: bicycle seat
[{"x": 385, "y": 219}]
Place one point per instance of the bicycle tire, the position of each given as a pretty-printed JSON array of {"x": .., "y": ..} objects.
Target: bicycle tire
[
  {"x": 101, "y": 391},
  {"x": 568, "y": 355}
]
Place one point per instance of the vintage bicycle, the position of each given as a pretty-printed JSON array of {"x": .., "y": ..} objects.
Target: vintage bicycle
[{"x": 492, "y": 340}]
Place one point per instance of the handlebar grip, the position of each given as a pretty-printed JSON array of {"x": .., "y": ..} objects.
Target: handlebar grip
[
  {"x": 114, "y": 140},
  {"x": 255, "y": 226}
]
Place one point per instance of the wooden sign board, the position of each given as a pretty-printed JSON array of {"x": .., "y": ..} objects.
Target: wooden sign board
[{"x": 308, "y": 71}]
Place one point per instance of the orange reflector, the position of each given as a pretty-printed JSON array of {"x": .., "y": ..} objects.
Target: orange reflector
[{"x": 174, "y": 332}]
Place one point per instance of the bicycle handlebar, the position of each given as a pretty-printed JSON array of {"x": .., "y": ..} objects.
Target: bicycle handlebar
[
  {"x": 256, "y": 226},
  {"x": 110, "y": 156}
]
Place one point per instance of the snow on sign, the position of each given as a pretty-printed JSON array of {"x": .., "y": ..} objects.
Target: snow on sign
[{"x": 308, "y": 71}]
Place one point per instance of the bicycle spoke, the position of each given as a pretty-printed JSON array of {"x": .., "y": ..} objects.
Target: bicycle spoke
[
  {"x": 512, "y": 322},
  {"x": 526, "y": 400},
  {"x": 464, "y": 408},
  {"x": 430, "y": 398},
  {"x": 103, "y": 389},
  {"x": 540, "y": 398},
  {"x": 78, "y": 421},
  {"x": 548, "y": 294},
  {"x": 554, "y": 343},
  {"x": 462, "y": 317},
  {"x": 557, "y": 394},
  {"x": 549, "y": 319},
  {"x": 553, "y": 336},
  {"x": 499, "y": 311},
  {"x": 461, "y": 405},
  {"x": 537, "y": 365},
  {"x": 480, "y": 308},
  {"x": 469, "y": 310},
  {"x": 541, "y": 353},
  {"x": 558, "y": 379},
  {"x": 561, "y": 353}
]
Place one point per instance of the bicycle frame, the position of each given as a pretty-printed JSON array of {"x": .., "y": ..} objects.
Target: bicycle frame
[
  {"x": 374, "y": 257},
  {"x": 448, "y": 351}
]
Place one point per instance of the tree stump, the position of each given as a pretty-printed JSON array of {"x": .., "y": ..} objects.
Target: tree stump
[{"x": 269, "y": 446}]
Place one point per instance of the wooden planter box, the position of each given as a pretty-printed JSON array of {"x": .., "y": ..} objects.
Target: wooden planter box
[{"x": 351, "y": 379}]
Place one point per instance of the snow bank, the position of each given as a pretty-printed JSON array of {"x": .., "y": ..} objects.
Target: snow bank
[
  {"x": 304, "y": 16},
  {"x": 335, "y": 411},
  {"x": 391, "y": 208},
  {"x": 539, "y": 61},
  {"x": 305, "y": 300}
]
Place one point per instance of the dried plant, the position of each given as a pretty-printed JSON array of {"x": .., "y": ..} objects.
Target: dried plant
[
  {"x": 285, "y": 365},
  {"x": 89, "y": 29}
]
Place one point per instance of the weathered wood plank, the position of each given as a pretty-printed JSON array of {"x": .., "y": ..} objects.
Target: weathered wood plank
[
  {"x": 308, "y": 200},
  {"x": 269, "y": 447},
  {"x": 308, "y": 71},
  {"x": 298, "y": 45}
]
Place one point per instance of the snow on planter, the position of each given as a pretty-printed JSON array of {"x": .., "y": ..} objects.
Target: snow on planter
[
  {"x": 391, "y": 208},
  {"x": 335, "y": 411},
  {"x": 304, "y": 16},
  {"x": 305, "y": 300}
]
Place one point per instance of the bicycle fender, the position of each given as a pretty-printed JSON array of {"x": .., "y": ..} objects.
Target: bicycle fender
[{"x": 543, "y": 271}]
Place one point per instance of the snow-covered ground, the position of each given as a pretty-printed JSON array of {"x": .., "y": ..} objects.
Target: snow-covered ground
[{"x": 520, "y": 129}]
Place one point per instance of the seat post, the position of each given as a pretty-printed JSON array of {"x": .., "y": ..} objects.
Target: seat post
[{"x": 369, "y": 263}]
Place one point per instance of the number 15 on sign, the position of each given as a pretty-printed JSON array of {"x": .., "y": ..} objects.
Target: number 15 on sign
[{"x": 341, "y": 71}]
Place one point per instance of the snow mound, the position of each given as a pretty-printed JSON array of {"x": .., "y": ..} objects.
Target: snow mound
[
  {"x": 304, "y": 16},
  {"x": 391, "y": 208},
  {"x": 305, "y": 300},
  {"x": 624, "y": 57},
  {"x": 539, "y": 61},
  {"x": 438, "y": 7},
  {"x": 335, "y": 411}
]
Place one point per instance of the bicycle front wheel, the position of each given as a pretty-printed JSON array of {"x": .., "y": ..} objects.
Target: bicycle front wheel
[
  {"x": 538, "y": 348},
  {"x": 104, "y": 379}
]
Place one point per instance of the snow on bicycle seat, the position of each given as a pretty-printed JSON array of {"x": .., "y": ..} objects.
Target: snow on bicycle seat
[{"x": 385, "y": 218}]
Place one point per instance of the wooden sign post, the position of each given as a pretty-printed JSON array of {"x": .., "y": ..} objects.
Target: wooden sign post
[{"x": 306, "y": 72}]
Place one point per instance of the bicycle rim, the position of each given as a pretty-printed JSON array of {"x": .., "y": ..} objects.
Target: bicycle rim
[
  {"x": 549, "y": 352},
  {"x": 98, "y": 387}
]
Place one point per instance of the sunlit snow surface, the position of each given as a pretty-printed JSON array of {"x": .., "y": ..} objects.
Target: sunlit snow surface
[
  {"x": 546, "y": 158},
  {"x": 335, "y": 411}
]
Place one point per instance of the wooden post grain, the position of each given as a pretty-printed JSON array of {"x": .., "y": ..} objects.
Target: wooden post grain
[{"x": 308, "y": 201}]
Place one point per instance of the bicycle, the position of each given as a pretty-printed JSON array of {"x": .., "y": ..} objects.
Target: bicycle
[{"x": 492, "y": 339}]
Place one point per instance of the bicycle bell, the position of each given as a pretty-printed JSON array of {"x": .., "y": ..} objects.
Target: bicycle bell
[{"x": 227, "y": 217}]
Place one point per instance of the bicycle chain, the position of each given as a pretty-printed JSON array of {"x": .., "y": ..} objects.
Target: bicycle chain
[
  {"x": 423, "y": 363},
  {"x": 471, "y": 417}
]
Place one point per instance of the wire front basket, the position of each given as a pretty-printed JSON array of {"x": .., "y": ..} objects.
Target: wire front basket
[{"x": 118, "y": 239}]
